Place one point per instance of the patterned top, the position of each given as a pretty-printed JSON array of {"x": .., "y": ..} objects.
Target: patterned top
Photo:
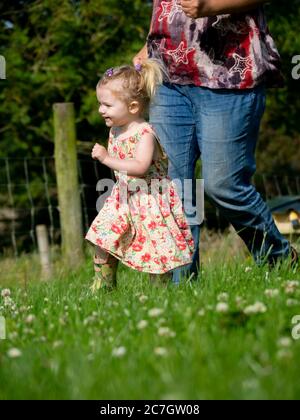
[{"x": 225, "y": 51}]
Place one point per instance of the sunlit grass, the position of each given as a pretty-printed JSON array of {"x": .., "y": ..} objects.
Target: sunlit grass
[{"x": 226, "y": 336}]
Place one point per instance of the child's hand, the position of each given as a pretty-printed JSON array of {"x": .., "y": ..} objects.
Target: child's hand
[{"x": 99, "y": 152}]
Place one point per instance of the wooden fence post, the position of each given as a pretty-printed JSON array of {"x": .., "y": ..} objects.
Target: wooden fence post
[
  {"x": 67, "y": 183},
  {"x": 44, "y": 251}
]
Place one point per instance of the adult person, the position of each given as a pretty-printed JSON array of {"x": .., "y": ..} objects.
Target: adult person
[{"x": 219, "y": 58}]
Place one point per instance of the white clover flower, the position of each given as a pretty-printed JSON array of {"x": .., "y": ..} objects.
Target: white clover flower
[
  {"x": 222, "y": 307},
  {"x": 160, "y": 351},
  {"x": 142, "y": 324},
  {"x": 161, "y": 321},
  {"x": 223, "y": 297},
  {"x": 8, "y": 302},
  {"x": 291, "y": 286},
  {"x": 284, "y": 354},
  {"x": 62, "y": 321},
  {"x": 239, "y": 301},
  {"x": 247, "y": 269},
  {"x": 5, "y": 293},
  {"x": 292, "y": 302},
  {"x": 201, "y": 312},
  {"x": 143, "y": 298},
  {"x": 13, "y": 335},
  {"x": 257, "y": 308},
  {"x": 57, "y": 344},
  {"x": 285, "y": 342},
  {"x": 14, "y": 353},
  {"x": 271, "y": 293},
  {"x": 119, "y": 352},
  {"x": 155, "y": 312},
  {"x": 28, "y": 331},
  {"x": 166, "y": 332},
  {"x": 30, "y": 318}
]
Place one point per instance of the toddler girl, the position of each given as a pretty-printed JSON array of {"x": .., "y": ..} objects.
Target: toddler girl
[{"x": 142, "y": 222}]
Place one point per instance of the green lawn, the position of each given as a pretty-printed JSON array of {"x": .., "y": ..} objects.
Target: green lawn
[{"x": 227, "y": 336}]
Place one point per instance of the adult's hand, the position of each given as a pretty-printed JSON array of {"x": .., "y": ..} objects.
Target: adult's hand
[
  {"x": 196, "y": 8},
  {"x": 141, "y": 56},
  {"x": 201, "y": 8}
]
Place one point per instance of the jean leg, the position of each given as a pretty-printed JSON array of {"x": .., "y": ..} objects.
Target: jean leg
[
  {"x": 228, "y": 126},
  {"x": 172, "y": 118}
]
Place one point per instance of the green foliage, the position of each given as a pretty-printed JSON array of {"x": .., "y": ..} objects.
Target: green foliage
[
  {"x": 279, "y": 146},
  {"x": 56, "y": 50}
]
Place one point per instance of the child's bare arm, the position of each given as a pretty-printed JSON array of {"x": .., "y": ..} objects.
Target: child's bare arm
[{"x": 138, "y": 166}]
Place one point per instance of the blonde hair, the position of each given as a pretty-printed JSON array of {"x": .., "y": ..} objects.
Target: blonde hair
[{"x": 139, "y": 83}]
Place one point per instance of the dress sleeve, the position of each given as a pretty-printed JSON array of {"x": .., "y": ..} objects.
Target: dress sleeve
[{"x": 149, "y": 129}]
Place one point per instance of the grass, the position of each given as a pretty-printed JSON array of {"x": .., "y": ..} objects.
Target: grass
[{"x": 200, "y": 345}]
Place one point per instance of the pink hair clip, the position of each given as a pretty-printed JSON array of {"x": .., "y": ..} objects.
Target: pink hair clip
[
  {"x": 109, "y": 72},
  {"x": 138, "y": 67}
]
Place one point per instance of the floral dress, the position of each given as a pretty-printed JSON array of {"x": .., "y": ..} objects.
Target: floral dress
[{"x": 142, "y": 222}]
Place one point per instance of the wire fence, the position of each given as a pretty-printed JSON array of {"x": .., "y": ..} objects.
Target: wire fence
[{"x": 28, "y": 197}]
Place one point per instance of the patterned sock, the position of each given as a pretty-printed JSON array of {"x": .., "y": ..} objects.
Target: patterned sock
[{"x": 105, "y": 273}]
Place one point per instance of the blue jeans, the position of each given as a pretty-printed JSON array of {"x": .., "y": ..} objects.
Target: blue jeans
[{"x": 222, "y": 126}]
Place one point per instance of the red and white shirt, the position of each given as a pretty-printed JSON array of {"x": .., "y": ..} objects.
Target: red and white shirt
[{"x": 232, "y": 51}]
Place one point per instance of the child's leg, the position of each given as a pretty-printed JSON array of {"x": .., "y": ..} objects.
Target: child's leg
[
  {"x": 105, "y": 266},
  {"x": 160, "y": 280}
]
